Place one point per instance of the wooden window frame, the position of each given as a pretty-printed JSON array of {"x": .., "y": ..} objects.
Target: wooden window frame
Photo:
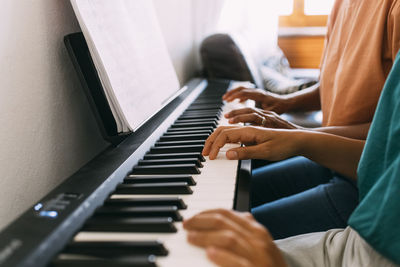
[
  {"x": 302, "y": 48},
  {"x": 299, "y": 19}
]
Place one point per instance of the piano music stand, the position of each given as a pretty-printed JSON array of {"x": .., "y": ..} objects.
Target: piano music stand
[{"x": 79, "y": 52}]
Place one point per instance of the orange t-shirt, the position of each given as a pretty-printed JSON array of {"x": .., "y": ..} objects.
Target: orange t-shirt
[{"x": 362, "y": 41}]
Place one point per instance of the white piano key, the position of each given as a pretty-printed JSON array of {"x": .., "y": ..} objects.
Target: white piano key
[
  {"x": 181, "y": 253},
  {"x": 215, "y": 188}
]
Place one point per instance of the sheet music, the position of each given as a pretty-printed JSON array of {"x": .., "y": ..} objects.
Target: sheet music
[{"x": 130, "y": 55}]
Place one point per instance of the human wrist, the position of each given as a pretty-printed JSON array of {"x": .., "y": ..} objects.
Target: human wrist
[
  {"x": 290, "y": 102},
  {"x": 301, "y": 140}
]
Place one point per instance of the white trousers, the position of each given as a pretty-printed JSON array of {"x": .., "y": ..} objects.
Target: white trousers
[{"x": 337, "y": 247}]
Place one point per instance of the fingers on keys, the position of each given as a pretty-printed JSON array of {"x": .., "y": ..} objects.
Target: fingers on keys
[
  {"x": 229, "y": 236},
  {"x": 233, "y": 134}
]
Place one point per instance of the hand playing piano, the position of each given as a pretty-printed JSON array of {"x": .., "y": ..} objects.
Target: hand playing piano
[
  {"x": 260, "y": 117},
  {"x": 263, "y": 99},
  {"x": 260, "y": 143},
  {"x": 233, "y": 239}
]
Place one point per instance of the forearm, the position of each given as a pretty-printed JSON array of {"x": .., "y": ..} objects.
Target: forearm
[
  {"x": 304, "y": 100},
  {"x": 359, "y": 131},
  {"x": 338, "y": 153}
]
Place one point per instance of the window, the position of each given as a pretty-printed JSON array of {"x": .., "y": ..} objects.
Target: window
[
  {"x": 301, "y": 33},
  {"x": 317, "y": 7},
  {"x": 307, "y": 13}
]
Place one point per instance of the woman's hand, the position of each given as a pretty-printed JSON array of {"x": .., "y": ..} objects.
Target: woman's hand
[
  {"x": 259, "y": 117},
  {"x": 261, "y": 143},
  {"x": 233, "y": 239},
  {"x": 265, "y": 100}
]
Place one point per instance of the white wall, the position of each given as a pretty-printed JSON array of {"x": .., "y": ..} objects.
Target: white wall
[{"x": 47, "y": 129}]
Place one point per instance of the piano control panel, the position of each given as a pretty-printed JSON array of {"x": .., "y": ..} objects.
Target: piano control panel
[{"x": 52, "y": 207}]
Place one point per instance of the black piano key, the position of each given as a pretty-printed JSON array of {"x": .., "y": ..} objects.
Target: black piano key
[
  {"x": 201, "y": 108},
  {"x": 183, "y": 137},
  {"x": 133, "y": 179},
  {"x": 180, "y": 143},
  {"x": 166, "y": 169},
  {"x": 205, "y": 132},
  {"x": 208, "y": 128},
  {"x": 115, "y": 249},
  {"x": 170, "y": 161},
  {"x": 197, "y": 114},
  {"x": 194, "y": 124},
  {"x": 136, "y": 212},
  {"x": 139, "y": 261},
  {"x": 134, "y": 225},
  {"x": 197, "y": 155},
  {"x": 176, "y": 149},
  {"x": 154, "y": 188},
  {"x": 200, "y": 104},
  {"x": 146, "y": 201},
  {"x": 208, "y": 101},
  {"x": 201, "y": 113},
  {"x": 205, "y": 116},
  {"x": 145, "y": 162},
  {"x": 195, "y": 120}
]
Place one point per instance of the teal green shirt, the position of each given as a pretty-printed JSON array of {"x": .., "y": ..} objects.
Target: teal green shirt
[{"x": 377, "y": 217}]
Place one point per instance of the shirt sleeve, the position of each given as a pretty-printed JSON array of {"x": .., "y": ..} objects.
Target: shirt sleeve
[{"x": 329, "y": 26}]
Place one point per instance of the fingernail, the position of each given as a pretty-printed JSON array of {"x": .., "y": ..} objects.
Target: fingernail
[
  {"x": 231, "y": 121},
  {"x": 232, "y": 155}
]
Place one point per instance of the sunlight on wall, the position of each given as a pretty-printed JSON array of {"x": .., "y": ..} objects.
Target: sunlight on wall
[
  {"x": 255, "y": 20},
  {"x": 318, "y": 7}
]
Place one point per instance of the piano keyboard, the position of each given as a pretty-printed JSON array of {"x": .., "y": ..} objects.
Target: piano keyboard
[
  {"x": 140, "y": 224},
  {"x": 125, "y": 207}
]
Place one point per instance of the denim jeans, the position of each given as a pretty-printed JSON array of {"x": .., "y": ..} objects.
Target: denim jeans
[{"x": 298, "y": 196}]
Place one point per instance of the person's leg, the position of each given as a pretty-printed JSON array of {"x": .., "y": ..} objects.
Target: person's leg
[
  {"x": 285, "y": 178},
  {"x": 337, "y": 247},
  {"x": 324, "y": 207}
]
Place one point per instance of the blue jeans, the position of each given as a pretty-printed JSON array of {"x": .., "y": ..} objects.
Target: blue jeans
[{"x": 298, "y": 196}]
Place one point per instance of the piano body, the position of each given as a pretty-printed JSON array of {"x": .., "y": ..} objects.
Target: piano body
[{"x": 125, "y": 207}]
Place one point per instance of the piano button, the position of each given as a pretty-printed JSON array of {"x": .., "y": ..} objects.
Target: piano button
[
  {"x": 146, "y": 201},
  {"x": 154, "y": 188},
  {"x": 208, "y": 128},
  {"x": 166, "y": 169},
  {"x": 144, "y": 261},
  {"x": 134, "y": 179},
  {"x": 136, "y": 212},
  {"x": 146, "y": 225},
  {"x": 193, "y": 124},
  {"x": 176, "y": 149},
  {"x": 180, "y": 143},
  {"x": 197, "y": 155},
  {"x": 184, "y": 137},
  {"x": 106, "y": 249}
]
